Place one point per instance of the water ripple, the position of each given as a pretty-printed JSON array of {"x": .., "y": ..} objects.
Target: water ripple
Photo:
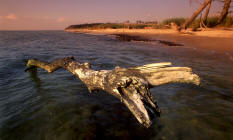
[{"x": 58, "y": 105}]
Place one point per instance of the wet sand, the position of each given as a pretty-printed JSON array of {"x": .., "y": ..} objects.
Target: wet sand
[{"x": 213, "y": 39}]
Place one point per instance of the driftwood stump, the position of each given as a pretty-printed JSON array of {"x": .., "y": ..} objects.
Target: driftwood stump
[{"x": 130, "y": 85}]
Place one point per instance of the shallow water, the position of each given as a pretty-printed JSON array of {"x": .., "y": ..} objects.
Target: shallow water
[{"x": 58, "y": 105}]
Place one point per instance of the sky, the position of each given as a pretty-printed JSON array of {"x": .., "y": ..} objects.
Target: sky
[{"x": 58, "y": 14}]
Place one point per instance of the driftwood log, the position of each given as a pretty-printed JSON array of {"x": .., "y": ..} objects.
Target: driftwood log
[{"x": 130, "y": 85}]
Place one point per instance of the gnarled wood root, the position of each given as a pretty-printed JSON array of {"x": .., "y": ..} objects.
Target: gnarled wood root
[{"x": 130, "y": 85}]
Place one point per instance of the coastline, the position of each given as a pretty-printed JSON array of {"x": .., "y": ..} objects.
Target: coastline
[{"x": 213, "y": 39}]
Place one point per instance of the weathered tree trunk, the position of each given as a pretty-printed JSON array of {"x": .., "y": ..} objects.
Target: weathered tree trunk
[
  {"x": 130, "y": 85},
  {"x": 224, "y": 12},
  {"x": 196, "y": 13},
  {"x": 207, "y": 12}
]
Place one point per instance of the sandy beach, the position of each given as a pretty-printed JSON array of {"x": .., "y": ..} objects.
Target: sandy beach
[{"x": 219, "y": 40}]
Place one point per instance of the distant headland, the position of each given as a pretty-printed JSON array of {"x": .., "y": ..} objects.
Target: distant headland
[
  {"x": 174, "y": 23},
  {"x": 167, "y": 32}
]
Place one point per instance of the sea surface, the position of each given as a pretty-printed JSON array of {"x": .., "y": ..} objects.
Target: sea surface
[{"x": 58, "y": 106}]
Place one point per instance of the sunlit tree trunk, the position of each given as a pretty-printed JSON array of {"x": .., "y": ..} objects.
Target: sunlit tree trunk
[
  {"x": 224, "y": 12},
  {"x": 207, "y": 12},
  {"x": 196, "y": 13}
]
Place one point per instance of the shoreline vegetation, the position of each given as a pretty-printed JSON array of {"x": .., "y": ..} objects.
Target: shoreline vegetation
[
  {"x": 216, "y": 37},
  {"x": 211, "y": 22}
]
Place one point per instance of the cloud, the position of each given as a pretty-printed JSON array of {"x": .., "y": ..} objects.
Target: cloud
[
  {"x": 45, "y": 17},
  {"x": 149, "y": 15},
  {"x": 11, "y": 16},
  {"x": 60, "y": 19}
]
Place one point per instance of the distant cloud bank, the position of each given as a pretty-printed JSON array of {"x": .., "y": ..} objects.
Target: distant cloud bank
[
  {"x": 11, "y": 16},
  {"x": 60, "y": 19}
]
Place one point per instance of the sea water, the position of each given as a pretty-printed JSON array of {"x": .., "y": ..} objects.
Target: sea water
[{"x": 59, "y": 106}]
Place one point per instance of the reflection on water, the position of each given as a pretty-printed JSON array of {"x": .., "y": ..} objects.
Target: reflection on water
[
  {"x": 34, "y": 77},
  {"x": 58, "y": 106}
]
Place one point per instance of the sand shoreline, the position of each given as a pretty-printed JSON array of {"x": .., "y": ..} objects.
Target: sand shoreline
[{"x": 213, "y": 39}]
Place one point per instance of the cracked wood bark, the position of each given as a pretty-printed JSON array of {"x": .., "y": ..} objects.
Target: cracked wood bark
[{"x": 130, "y": 85}]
